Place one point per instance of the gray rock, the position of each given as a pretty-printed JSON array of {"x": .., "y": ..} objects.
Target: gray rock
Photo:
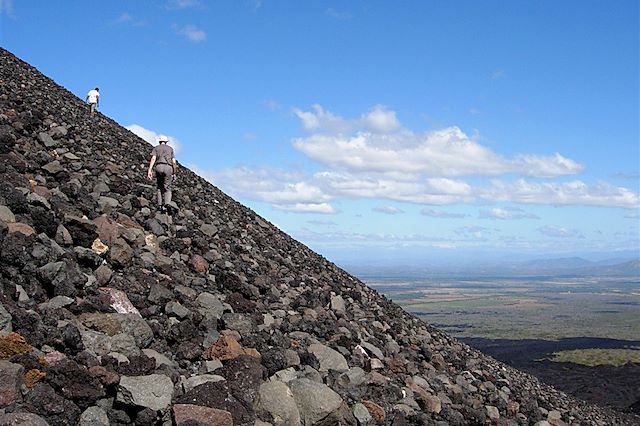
[
  {"x": 5, "y": 321},
  {"x": 106, "y": 204},
  {"x": 58, "y": 302},
  {"x": 120, "y": 253},
  {"x": 361, "y": 414},
  {"x": 38, "y": 200},
  {"x": 137, "y": 327},
  {"x": 160, "y": 359},
  {"x": 103, "y": 274},
  {"x": 329, "y": 359},
  {"x": 194, "y": 381},
  {"x": 11, "y": 379},
  {"x": 53, "y": 167},
  {"x": 372, "y": 349},
  {"x": 63, "y": 237},
  {"x": 22, "y": 419},
  {"x": 242, "y": 323},
  {"x": 47, "y": 140},
  {"x": 276, "y": 404},
  {"x": 208, "y": 229},
  {"x": 210, "y": 305},
  {"x": 94, "y": 416},
  {"x": 315, "y": 401},
  {"x": 125, "y": 344},
  {"x": 337, "y": 304},
  {"x": 153, "y": 391},
  {"x": 6, "y": 215},
  {"x": 176, "y": 309}
]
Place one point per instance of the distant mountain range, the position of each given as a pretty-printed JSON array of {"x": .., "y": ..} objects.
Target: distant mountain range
[{"x": 568, "y": 266}]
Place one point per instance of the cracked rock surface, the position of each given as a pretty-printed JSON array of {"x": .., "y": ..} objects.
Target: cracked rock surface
[{"x": 111, "y": 313}]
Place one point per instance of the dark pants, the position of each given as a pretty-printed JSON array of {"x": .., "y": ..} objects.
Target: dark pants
[{"x": 164, "y": 177}]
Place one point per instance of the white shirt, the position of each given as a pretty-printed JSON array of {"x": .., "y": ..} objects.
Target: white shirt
[{"x": 93, "y": 96}]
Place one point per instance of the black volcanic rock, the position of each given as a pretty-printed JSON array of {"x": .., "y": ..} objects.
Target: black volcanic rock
[{"x": 128, "y": 312}]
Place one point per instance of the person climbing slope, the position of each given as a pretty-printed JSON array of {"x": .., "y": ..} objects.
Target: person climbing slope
[
  {"x": 93, "y": 99},
  {"x": 163, "y": 159}
]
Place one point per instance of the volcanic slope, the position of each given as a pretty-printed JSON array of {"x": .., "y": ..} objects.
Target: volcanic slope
[{"x": 114, "y": 314}]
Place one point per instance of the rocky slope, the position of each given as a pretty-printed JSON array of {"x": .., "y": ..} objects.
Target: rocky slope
[{"x": 113, "y": 314}]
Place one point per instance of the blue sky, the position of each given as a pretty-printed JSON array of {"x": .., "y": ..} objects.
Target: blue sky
[{"x": 377, "y": 131}]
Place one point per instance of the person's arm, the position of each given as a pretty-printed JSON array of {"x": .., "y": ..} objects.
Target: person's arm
[
  {"x": 175, "y": 166},
  {"x": 98, "y": 100},
  {"x": 151, "y": 163}
]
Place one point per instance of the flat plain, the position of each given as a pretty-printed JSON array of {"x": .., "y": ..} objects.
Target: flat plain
[{"x": 547, "y": 308}]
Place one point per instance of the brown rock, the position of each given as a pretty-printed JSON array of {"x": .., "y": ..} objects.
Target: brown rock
[
  {"x": 106, "y": 377},
  {"x": 11, "y": 378},
  {"x": 189, "y": 414},
  {"x": 226, "y": 348},
  {"x": 198, "y": 263},
  {"x": 513, "y": 408},
  {"x": 376, "y": 411},
  {"x": 23, "y": 228}
]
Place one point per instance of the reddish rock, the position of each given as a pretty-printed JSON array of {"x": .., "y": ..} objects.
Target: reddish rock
[
  {"x": 198, "y": 263},
  {"x": 376, "y": 411},
  {"x": 127, "y": 222},
  {"x": 118, "y": 300},
  {"x": 106, "y": 377},
  {"x": 108, "y": 229},
  {"x": 188, "y": 414},
  {"x": 11, "y": 378},
  {"x": 52, "y": 358},
  {"x": 226, "y": 348},
  {"x": 23, "y": 228}
]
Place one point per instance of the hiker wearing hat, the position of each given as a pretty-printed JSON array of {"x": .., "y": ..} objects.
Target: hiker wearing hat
[
  {"x": 93, "y": 99},
  {"x": 165, "y": 166}
]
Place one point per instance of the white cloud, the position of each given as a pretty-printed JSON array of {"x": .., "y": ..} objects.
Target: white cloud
[
  {"x": 322, "y": 208},
  {"x": 152, "y": 137},
  {"x": 126, "y": 18},
  {"x": 387, "y": 210},
  {"x": 475, "y": 233},
  {"x": 191, "y": 32},
  {"x": 374, "y": 157},
  {"x": 566, "y": 193},
  {"x": 441, "y": 214},
  {"x": 343, "y": 16},
  {"x": 377, "y": 142},
  {"x": 182, "y": 4},
  {"x": 322, "y": 222},
  {"x": 6, "y": 8},
  {"x": 559, "y": 232},
  {"x": 506, "y": 214},
  {"x": 380, "y": 120}
]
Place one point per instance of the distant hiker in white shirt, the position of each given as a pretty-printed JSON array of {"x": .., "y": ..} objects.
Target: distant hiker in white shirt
[{"x": 93, "y": 99}]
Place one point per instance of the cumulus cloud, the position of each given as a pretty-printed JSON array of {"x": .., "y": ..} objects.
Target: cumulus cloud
[
  {"x": 322, "y": 208},
  {"x": 441, "y": 214},
  {"x": 565, "y": 193},
  {"x": 373, "y": 156},
  {"x": 190, "y": 32},
  {"x": 559, "y": 232},
  {"x": 506, "y": 214},
  {"x": 152, "y": 137},
  {"x": 387, "y": 210},
  {"x": 377, "y": 142}
]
